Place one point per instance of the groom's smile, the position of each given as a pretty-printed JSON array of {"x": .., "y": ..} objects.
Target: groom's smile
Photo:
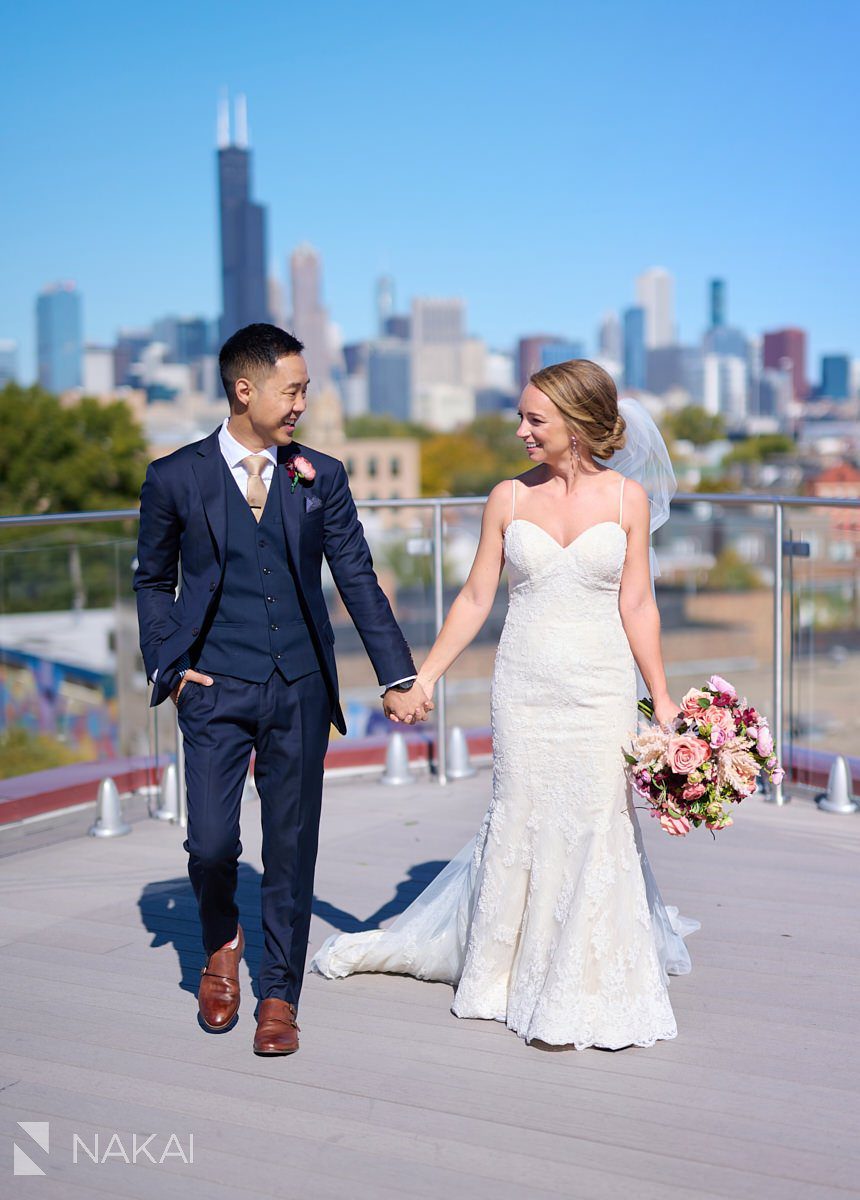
[{"x": 270, "y": 402}]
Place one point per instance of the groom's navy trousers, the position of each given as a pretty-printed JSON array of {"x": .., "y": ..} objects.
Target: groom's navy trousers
[
  {"x": 287, "y": 724},
  {"x": 251, "y": 614}
]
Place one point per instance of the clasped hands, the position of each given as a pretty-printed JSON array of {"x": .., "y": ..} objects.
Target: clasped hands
[{"x": 408, "y": 707}]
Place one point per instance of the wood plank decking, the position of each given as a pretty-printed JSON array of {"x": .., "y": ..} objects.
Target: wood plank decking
[{"x": 390, "y": 1095}]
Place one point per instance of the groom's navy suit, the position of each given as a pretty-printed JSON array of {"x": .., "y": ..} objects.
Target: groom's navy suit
[{"x": 251, "y": 613}]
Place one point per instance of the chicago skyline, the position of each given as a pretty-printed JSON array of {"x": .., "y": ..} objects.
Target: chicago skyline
[{"x": 538, "y": 200}]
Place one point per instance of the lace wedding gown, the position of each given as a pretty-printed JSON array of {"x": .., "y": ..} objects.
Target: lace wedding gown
[{"x": 550, "y": 920}]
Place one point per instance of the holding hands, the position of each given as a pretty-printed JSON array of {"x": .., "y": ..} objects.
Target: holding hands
[{"x": 407, "y": 705}]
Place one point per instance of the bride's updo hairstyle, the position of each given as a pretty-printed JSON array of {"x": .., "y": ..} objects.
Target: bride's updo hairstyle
[{"x": 587, "y": 398}]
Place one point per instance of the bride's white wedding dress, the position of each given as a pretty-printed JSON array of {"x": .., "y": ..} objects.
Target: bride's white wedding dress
[{"x": 550, "y": 920}]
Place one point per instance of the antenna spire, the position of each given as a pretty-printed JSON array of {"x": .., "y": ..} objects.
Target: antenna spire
[
  {"x": 241, "y": 116},
  {"x": 223, "y": 120}
]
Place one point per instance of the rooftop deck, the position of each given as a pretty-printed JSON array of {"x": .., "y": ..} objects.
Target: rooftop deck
[{"x": 390, "y": 1095}]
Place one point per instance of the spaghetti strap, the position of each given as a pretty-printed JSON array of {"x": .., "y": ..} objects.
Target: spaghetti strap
[
  {"x": 621, "y": 499},
  {"x": 513, "y": 497}
]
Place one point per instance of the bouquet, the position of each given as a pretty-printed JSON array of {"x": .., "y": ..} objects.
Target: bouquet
[{"x": 710, "y": 758}]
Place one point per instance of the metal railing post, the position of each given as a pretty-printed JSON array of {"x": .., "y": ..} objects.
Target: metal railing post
[
  {"x": 778, "y": 795},
  {"x": 439, "y": 606}
]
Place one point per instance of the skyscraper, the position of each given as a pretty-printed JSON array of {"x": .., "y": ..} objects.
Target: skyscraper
[
  {"x": 670, "y": 368},
  {"x": 559, "y": 352},
  {"x": 786, "y": 349},
  {"x": 609, "y": 338},
  {"x": 59, "y": 337},
  {"x": 186, "y": 338},
  {"x": 530, "y": 354},
  {"x": 243, "y": 227},
  {"x": 836, "y": 376},
  {"x": 717, "y": 303},
  {"x": 130, "y": 345},
  {"x": 634, "y": 348},
  {"x": 438, "y": 341},
  {"x": 310, "y": 319},
  {"x": 655, "y": 295},
  {"x": 389, "y": 378},
  {"x": 384, "y": 302},
  {"x": 8, "y": 361}
]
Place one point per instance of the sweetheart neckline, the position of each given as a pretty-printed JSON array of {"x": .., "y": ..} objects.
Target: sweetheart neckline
[{"x": 555, "y": 541}]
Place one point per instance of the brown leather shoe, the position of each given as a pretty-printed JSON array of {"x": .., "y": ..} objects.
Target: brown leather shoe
[
  {"x": 218, "y": 998},
  {"x": 277, "y": 1031}
]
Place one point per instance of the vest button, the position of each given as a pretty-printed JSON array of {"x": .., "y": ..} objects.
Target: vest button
[
  {"x": 261, "y": 544},
  {"x": 195, "y": 631},
  {"x": 270, "y": 599},
  {"x": 277, "y": 656},
  {"x": 212, "y": 587},
  {"x": 266, "y": 571},
  {"x": 275, "y": 628}
]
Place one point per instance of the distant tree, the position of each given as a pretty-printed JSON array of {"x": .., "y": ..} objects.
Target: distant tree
[
  {"x": 473, "y": 459},
  {"x": 497, "y": 433},
  {"x": 731, "y": 574},
  {"x": 457, "y": 464},
  {"x": 759, "y": 449},
  {"x": 380, "y": 425},
  {"x": 693, "y": 424},
  {"x": 54, "y": 459},
  {"x": 720, "y": 484}
]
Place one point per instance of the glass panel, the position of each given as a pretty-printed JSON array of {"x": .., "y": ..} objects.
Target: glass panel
[
  {"x": 72, "y": 685},
  {"x": 715, "y": 597},
  {"x": 822, "y": 580},
  {"x": 401, "y": 542},
  {"x": 468, "y": 680}
]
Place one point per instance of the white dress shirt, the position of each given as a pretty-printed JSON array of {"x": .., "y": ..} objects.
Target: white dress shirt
[{"x": 234, "y": 453}]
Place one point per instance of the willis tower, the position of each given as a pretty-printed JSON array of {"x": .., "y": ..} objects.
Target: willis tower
[{"x": 243, "y": 227}]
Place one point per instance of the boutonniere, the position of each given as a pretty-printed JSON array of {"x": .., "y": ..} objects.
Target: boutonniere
[{"x": 300, "y": 470}]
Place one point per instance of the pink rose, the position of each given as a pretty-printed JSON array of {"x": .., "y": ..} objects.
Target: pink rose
[
  {"x": 693, "y": 791},
  {"x": 685, "y": 753},
  {"x": 676, "y": 826},
  {"x": 718, "y": 738},
  {"x": 690, "y": 702},
  {"x": 717, "y": 684},
  {"x": 764, "y": 744},
  {"x": 777, "y": 776},
  {"x": 305, "y": 467},
  {"x": 719, "y": 718}
]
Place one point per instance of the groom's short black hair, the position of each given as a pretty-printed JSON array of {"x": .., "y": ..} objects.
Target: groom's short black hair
[{"x": 254, "y": 348}]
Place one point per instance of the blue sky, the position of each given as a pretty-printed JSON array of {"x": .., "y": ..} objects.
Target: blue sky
[{"x": 532, "y": 158}]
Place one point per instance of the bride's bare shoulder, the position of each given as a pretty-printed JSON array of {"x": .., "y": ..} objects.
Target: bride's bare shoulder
[
  {"x": 502, "y": 491},
  {"x": 612, "y": 480}
]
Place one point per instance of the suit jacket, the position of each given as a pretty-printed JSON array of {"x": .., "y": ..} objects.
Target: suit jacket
[{"x": 183, "y": 518}]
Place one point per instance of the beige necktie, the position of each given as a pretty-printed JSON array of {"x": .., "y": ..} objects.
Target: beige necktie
[{"x": 257, "y": 493}]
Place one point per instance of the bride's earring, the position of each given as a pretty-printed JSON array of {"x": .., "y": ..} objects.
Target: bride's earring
[{"x": 575, "y": 460}]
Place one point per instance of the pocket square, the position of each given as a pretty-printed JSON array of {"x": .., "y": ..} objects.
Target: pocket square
[{"x": 312, "y": 502}]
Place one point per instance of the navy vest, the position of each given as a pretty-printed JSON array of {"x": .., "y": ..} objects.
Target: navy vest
[{"x": 257, "y": 626}]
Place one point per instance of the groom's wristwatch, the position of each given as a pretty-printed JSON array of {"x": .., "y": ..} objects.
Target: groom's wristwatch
[{"x": 405, "y": 686}]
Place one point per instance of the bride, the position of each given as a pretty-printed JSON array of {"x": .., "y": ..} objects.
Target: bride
[{"x": 550, "y": 920}]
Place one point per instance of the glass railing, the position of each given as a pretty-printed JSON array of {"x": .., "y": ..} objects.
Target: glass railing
[{"x": 73, "y": 687}]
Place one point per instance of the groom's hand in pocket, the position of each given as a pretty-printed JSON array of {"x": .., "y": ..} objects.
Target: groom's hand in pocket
[
  {"x": 190, "y": 677},
  {"x": 408, "y": 707}
]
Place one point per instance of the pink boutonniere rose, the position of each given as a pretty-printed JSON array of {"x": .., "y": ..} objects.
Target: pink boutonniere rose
[{"x": 300, "y": 470}]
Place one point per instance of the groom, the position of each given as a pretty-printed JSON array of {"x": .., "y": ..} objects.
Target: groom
[{"x": 245, "y": 650}]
